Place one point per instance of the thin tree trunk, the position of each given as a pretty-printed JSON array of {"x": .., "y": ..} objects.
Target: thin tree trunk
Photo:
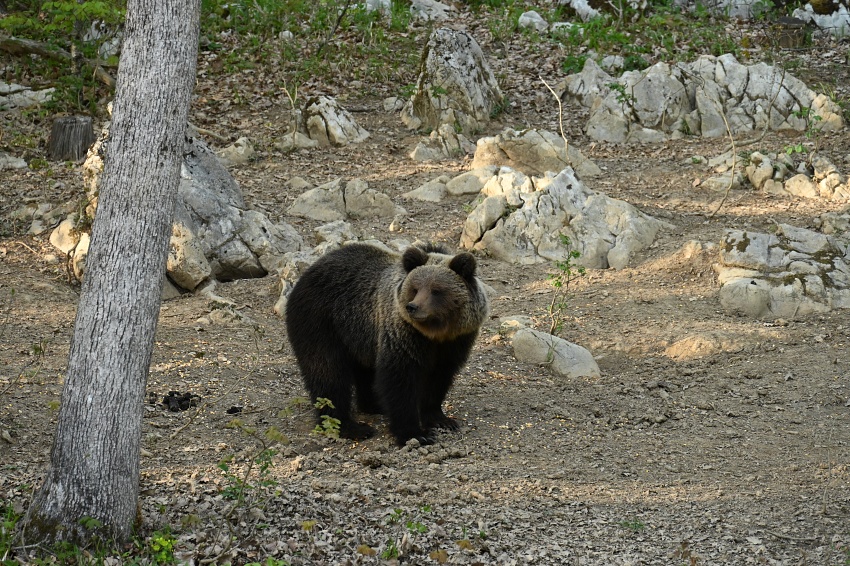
[{"x": 91, "y": 488}]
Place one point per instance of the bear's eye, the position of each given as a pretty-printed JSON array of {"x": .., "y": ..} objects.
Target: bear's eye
[{"x": 436, "y": 292}]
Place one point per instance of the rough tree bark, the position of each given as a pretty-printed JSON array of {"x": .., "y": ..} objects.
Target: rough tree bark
[{"x": 91, "y": 488}]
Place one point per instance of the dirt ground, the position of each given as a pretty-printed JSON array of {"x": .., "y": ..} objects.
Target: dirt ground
[{"x": 710, "y": 439}]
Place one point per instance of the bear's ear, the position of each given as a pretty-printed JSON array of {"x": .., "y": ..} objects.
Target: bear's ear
[
  {"x": 413, "y": 257},
  {"x": 463, "y": 264}
]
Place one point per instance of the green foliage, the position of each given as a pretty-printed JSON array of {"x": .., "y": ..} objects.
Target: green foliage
[
  {"x": 253, "y": 487},
  {"x": 66, "y": 17},
  {"x": 391, "y": 551},
  {"x": 328, "y": 425},
  {"x": 567, "y": 272},
  {"x": 626, "y": 99},
  {"x": 813, "y": 131},
  {"x": 375, "y": 46},
  {"x": 666, "y": 31},
  {"x": 634, "y": 525},
  {"x": 633, "y": 62},
  {"x": 162, "y": 547},
  {"x": 78, "y": 27},
  {"x": 8, "y": 522},
  {"x": 573, "y": 63},
  {"x": 90, "y": 523}
]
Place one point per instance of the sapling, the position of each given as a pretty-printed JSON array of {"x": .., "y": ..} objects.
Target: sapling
[{"x": 567, "y": 272}]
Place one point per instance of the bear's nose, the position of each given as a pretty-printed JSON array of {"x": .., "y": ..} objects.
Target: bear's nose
[{"x": 411, "y": 308}]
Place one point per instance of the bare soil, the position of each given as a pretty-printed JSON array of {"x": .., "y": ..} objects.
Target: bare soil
[{"x": 710, "y": 439}]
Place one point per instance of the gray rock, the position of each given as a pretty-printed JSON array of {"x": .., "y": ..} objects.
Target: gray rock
[
  {"x": 791, "y": 274},
  {"x": 325, "y": 203},
  {"x": 533, "y": 20},
  {"x": 588, "y": 85},
  {"x": 471, "y": 182},
  {"x": 11, "y": 162},
  {"x": 362, "y": 201},
  {"x": 16, "y": 96},
  {"x": 430, "y": 10},
  {"x": 238, "y": 153},
  {"x": 662, "y": 102},
  {"x": 330, "y": 124},
  {"x": 533, "y": 152},
  {"x": 509, "y": 325},
  {"x": 431, "y": 191},
  {"x": 455, "y": 85},
  {"x": 510, "y": 184},
  {"x": 605, "y": 231},
  {"x": 837, "y": 23},
  {"x": 66, "y": 236},
  {"x": 298, "y": 184},
  {"x": 331, "y": 202},
  {"x": 802, "y": 186},
  {"x": 393, "y": 104},
  {"x": 81, "y": 251},
  {"x": 561, "y": 357},
  {"x": 482, "y": 219},
  {"x": 443, "y": 143},
  {"x": 214, "y": 235},
  {"x": 582, "y": 8},
  {"x": 294, "y": 141},
  {"x": 760, "y": 170},
  {"x": 186, "y": 265},
  {"x": 721, "y": 183}
]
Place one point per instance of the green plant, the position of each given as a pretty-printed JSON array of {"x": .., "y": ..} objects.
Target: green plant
[
  {"x": 567, "y": 272},
  {"x": 573, "y": 63},
  {"x": 38, "y": 163},
  {"x": 633, "y": 525},
  {"x": 241, "y": 488},
  {"x": 623, "y": 97},
  {"x": 328, "y": 425},
  {"x": 391, "y": 551},
  {"x": 162, "y": 547},
  {"x": 812, "y": 131},
  {"x": 8, "y": 523},
  {"x": 634, "y": 62}
]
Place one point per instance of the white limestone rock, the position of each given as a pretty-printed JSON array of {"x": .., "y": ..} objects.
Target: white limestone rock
[
  {"x": 561, "y": 357},
  {"x": 455, "y": 85}
]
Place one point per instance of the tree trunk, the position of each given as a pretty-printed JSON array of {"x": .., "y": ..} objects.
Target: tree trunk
[
  {"x": 91, "y": 488},
  {"x": 70, "y": 138}
]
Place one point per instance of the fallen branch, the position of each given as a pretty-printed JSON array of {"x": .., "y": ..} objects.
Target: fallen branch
[{"x": 21, "y": 46}]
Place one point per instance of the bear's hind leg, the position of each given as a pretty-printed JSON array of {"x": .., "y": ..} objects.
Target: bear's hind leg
[
  {"x": 367, "y": 403},
  {"x": 331, "y": 380}
]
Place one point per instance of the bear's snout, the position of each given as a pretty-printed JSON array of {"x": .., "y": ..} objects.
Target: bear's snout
[{"x": 412, "y": 308}]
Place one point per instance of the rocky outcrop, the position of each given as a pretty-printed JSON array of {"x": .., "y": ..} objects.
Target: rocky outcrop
[
  {"x": 533, "y": 152},
  {"x": 328, "y": 123},
  {"x": 214, "y": 235},
  {"x": 455, "y": 85},
  {"x": 332, "y": 201},
  {"x": 789, "y": 274},
  {"x": 522, "y": 220},
  {"x": 664, "y": 101}
]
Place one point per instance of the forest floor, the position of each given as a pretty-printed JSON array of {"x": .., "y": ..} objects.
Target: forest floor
[{"x": 709, "y": 439}]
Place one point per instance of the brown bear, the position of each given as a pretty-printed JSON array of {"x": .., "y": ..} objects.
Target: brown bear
[{"x": 394, "y": 329}]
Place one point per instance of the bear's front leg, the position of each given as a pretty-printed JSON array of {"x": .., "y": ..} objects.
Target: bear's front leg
[{"x": 398, "y": 388}]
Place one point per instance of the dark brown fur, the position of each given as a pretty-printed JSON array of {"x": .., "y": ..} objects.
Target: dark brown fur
[{"x": 394, "y": 329}]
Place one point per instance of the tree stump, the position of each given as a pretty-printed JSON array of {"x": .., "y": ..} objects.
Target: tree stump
[{"x": 70, "y": 138}]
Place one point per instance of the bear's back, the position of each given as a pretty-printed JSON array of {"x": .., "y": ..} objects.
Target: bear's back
[{"x": 336, "y": 300}]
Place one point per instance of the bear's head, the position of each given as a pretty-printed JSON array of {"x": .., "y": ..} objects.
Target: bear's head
[{"x": 442, "y": 300}]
